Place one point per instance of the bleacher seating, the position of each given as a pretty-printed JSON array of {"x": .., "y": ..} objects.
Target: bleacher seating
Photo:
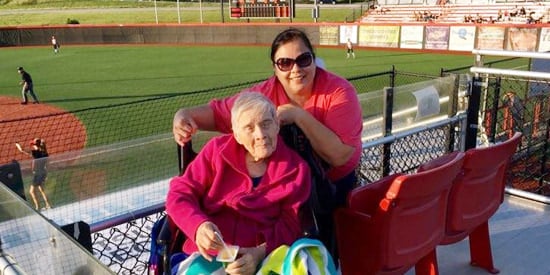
[{"x": 455, "y": 13}]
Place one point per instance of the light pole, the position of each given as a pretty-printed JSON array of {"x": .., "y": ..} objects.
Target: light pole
[
  {"x": 315, "y": 11},
  {"x": 178, "y": 5},
  {"x": 200, "y": 8},
  {"x": 156, "y": 14}
]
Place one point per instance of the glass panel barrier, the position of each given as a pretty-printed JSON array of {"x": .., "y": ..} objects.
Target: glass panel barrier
[{"x": 31, "y": 244}]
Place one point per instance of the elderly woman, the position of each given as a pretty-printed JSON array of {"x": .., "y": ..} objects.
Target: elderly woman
[{"x": 247, "y": 186}]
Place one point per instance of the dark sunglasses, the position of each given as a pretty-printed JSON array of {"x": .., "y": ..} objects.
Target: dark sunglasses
[{"x": 286, "y": 64}]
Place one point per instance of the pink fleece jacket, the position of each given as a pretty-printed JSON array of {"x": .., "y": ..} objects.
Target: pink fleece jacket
[
  {"x": 216, "y": 187},
  {"x": 334, "y": 103}
]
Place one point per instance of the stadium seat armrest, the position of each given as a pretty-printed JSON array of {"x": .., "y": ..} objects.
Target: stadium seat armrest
[{"x": 367, "y": 202}]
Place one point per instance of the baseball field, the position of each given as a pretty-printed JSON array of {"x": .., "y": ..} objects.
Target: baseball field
[{"x": 84, "y": 79}]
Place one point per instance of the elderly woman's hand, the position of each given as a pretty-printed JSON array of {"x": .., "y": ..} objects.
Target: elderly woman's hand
[
  {"x": 206, "y": 239},
  {"x": 248, "y": 262}
]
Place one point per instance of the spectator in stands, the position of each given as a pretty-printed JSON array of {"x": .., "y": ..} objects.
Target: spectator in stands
[
  {"x": 323, "y": 105},
  {"x": 39, "y": 167},
  {"x": 417, "y": 16},
  {"x": 534, "y": 16},
  {"x": 380, "y": 10},
  {"x": 377, "y": 9},
  {"x": 514, "y": 12},
  {"x": 247, "y": 187},
  {"x": 429, "y": 16},
  {"x": 500, "y": 16},
  {"x": 372, "y": 8},
  {"x": 522, "y": 12},
  {"x": 479, "y": 19}
]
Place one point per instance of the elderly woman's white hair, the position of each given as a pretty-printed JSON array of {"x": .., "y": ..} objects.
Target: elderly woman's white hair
[{"x": 252, "y": 100}]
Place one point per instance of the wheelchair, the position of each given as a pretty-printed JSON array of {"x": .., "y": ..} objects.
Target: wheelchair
[{"x": 316, "y": 215}]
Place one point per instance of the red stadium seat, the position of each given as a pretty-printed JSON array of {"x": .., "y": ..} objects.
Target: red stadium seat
[
  {"x": 391, "y": 225},
  {"x": 475, "y": 196}
]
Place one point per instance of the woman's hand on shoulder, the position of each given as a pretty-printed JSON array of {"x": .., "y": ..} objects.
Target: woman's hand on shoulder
[
  {"x": 288, "y": 113},
  {"x": 184, "y": 126},
  {"x": 247, "y": 263}
]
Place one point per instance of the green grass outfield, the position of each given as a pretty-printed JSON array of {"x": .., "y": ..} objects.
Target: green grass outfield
[
  {"x": 88, "y": 76},
  {"x": 82, "y": 77}
]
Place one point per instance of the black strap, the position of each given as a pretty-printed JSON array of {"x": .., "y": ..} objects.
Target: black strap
[{"x": 322, "y": 190}]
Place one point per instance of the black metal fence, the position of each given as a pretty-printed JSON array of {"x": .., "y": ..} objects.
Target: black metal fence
[{"x": 515, "y": 104}]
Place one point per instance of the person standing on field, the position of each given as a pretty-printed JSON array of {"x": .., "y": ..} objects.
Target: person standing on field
[
  {"x": 39, "y": 167},
  {"x": 55, "y": 44},
  {"x": 26, "y": 82},
  {"x": 349, "y": 48}
]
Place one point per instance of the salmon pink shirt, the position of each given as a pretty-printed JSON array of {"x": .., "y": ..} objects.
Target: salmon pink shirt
[{"x": 333, "y": 102}]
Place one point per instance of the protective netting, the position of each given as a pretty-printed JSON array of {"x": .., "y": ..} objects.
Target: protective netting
[{"x": 515, "y": 104}]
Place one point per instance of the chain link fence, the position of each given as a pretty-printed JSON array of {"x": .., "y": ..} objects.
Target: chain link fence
[
  {"x": 404, "y": 152},
  {"x": 515, "y": 104},
  {"x": 125, "y": 248}
]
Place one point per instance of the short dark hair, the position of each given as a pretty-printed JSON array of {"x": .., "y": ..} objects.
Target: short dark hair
[
  {"x": 20, "y": 68},
  {"x": 288, "y": 35}
]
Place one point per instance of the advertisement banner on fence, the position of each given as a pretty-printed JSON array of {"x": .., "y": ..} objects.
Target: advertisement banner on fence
[
  {"x": 328, "y": 35},
  {"x": 437, "y": 37},
  {"x": 379, "y": 36},
  {"x": 544, "y": 43},
  {"x": 490, "y": 38},
  {"x": 522, "y": 39},
  {"x": 462, "y": 38},
  {"x": 348, "y": 31},
  {"x": 412, "y": 37}
]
